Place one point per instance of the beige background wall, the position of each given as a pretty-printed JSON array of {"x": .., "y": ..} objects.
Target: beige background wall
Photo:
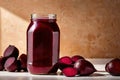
[{"x": 90, "y": 28}]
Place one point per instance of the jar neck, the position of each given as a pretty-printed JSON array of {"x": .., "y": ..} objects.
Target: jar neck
[{"x": 43, "y": 18}]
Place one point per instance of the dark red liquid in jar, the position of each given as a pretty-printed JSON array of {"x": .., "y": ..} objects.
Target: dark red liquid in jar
[{"x": 43, "y": 38}]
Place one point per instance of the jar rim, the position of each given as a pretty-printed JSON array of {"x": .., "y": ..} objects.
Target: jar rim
[{"x": 38, "y": 16}]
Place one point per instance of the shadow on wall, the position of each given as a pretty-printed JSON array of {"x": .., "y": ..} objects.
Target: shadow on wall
[
  {"x": 12, "y": 31},
  {"x": 26, "y": 7},
  {"x": 88, "y": 28}
]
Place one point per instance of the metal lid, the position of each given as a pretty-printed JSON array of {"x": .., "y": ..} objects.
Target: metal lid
[{"x": 37, "y": 16}]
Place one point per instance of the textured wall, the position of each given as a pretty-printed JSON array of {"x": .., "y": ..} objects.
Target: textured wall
[{"x": 90, "y": 28}]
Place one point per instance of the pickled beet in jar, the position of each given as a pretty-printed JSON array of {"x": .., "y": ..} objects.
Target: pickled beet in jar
[{"x": 43, "y": 40}]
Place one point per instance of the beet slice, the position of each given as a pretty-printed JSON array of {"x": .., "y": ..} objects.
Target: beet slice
[
  {"x": 69, "y": 71},
  {"x": 84, "y": 67},
  {"x": 54, "y": 69},
  {"x": 23, "y": 61},
  {"x": 76, "y": 57},
  {"x": 11, "y": 64},
  {"x": 65, "y": 62},
  {"x": 113, "y": 67},
  {"x": 11, "y": 51}
]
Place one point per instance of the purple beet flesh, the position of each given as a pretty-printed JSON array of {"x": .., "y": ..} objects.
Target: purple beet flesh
[{"x": 11, "y": 51}]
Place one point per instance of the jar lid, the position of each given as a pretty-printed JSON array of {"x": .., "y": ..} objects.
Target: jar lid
[
  {"x": 37, "y": 16},
  {"x": 52, "y": 16}
]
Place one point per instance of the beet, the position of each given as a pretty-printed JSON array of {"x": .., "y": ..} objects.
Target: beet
[
  {"x": 23, "y": 61},
  {"x": 65, "y": 62},
  {"x": 2, "y": 62},
  {"x": 76, "y": 57},
  {"x": 11, "y": 51},
  {"x": 11, "y": 64},
  {"x": 113, "y": 67},
  {"x": 69, "y": 71},
  {"x": 54, "y": 68},
  {"x": 62, "y": 65},
  {"x": 84, "y": 67},
  {"x": 1, "y": 67},
  {"x": 106, "y": 67},
  {"x": 18, "y": 66}
]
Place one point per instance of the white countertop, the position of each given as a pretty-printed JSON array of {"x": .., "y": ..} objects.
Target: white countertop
[{"x": 99, "y": 65}]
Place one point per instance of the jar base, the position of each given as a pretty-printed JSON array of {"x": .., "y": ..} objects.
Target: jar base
[{"x": 38, "y": 70}]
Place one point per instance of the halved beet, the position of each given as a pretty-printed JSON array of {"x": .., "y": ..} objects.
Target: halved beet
[
  {"x": 84, "y": 67},
  {"x": 23, "y": 61},
  {"x": 11, "y": 51},
  {"x": 65, "y": 62},
  {"x": 54, "y": 68},
  {"x": 11, "y": 64},
  {"x": 69, "y": 71},
  {"x": 76, "y": 57}
]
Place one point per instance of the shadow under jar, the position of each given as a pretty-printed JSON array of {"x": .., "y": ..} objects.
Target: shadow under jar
[{"x": 43, "y": 41}]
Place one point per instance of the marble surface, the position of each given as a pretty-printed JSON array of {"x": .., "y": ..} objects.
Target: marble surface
[
  {"x": 87, "y": 28},
  {"x": 98, "y": 63},
  {"x": 27, "y": 76}
]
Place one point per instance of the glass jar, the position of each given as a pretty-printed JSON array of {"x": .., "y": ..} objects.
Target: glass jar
[{"x": 43, "y": 40}]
